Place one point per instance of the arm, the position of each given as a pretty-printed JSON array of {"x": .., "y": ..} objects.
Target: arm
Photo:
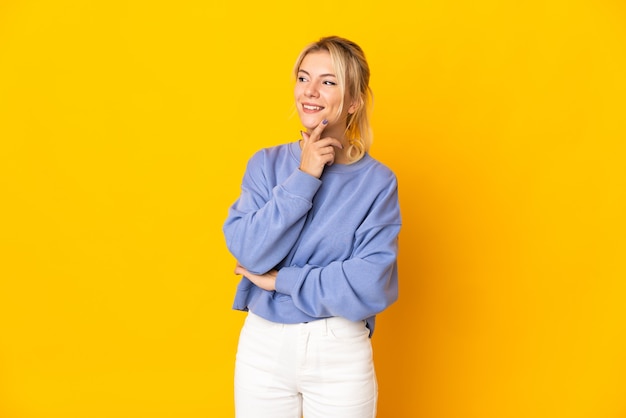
[
  {"x": 264, "y": 223},
  {"x": 355, "y": 289},
  {"x": 361, "y": 286}
]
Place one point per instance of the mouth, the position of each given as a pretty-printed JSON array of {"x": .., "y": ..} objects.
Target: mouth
[{"x": 311, "y": 108}]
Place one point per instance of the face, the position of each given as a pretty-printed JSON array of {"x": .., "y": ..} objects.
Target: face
[{"x": 318, "y": 95}]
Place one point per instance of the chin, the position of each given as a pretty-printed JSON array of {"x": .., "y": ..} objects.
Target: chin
[
  {"x": 310, "y": 123},
  {"x": 310, "y": 126}
]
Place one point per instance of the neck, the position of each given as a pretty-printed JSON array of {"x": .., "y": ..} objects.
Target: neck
[{"x": 341, "y": 156}]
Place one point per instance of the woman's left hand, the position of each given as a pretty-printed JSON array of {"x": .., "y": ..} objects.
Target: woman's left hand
[{"x": 265, "y": 281}]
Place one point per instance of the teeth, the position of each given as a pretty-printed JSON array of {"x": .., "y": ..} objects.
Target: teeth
[{"x": 312, "y": 107}]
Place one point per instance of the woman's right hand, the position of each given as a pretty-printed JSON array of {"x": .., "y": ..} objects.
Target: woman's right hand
[
  {"x": 317, "y": 153},
  {"x": 265, "y": 281}
]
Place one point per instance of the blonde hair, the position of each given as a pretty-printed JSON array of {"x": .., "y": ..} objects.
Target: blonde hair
[{"x": 353, "y": 74}]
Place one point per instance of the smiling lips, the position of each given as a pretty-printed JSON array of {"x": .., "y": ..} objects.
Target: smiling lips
[{"x": 310, "y": 108}]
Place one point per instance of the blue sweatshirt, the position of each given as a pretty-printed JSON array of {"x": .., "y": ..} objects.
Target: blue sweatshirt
[{"x": 333, "y": 240}]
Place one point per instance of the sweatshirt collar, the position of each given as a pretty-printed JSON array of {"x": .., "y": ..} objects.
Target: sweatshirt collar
[{"x": 296, "y": 152}]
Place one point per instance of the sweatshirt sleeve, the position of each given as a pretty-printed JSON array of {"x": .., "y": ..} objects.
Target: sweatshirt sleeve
[
  {"x": 361, "y": 286},
  {"x": 264, "y": 223}
]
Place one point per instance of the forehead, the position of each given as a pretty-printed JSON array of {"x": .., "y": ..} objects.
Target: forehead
[{"x": 317, "y": 62}]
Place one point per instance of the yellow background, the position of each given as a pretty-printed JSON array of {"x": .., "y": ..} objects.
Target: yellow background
[{"x": 125, "y": 127}]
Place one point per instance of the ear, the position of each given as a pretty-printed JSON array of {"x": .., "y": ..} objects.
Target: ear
[{"x": 354, "y": 106}]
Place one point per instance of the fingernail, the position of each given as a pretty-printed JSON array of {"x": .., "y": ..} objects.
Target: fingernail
[{"x": 325, "y": 121}]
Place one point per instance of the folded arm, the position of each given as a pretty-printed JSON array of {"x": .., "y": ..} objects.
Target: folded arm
[{"x": 265, "y": 222}]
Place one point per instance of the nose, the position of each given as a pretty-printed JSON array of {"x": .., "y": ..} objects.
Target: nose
[{"x": 311, "y": 90}]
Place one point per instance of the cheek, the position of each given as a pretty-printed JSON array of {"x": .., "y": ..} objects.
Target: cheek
[
  {"x": 334, "y": 105},
  {"x": 298, "y": 91},
  {"x": 334, "y": 100}
]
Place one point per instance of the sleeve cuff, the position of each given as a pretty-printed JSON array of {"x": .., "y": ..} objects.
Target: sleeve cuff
[
  {"x": 302, "y": 185},
  {"x": 286, "y": 279}
]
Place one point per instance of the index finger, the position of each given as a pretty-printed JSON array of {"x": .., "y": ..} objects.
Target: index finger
[{"x": 316, "y": 133}]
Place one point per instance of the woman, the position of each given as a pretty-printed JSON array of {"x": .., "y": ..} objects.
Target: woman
[{"x": 314, "y": 232}]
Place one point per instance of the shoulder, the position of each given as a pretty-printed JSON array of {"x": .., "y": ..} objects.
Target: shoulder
[
  {"x": 378, "y": 170},
  {"x": 272, "y": 153},
  {"x": 272, "y": 165}
]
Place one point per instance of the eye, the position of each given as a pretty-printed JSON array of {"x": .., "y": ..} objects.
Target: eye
[
  {"x": 301, "y": 79},
  {"x": 329, "y": 83}
]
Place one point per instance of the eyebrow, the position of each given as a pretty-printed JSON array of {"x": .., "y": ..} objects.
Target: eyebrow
[{"x": 321, "y": 75}]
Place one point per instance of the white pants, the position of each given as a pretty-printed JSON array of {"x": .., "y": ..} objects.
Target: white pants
[{"x": 323, "y": 369}]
